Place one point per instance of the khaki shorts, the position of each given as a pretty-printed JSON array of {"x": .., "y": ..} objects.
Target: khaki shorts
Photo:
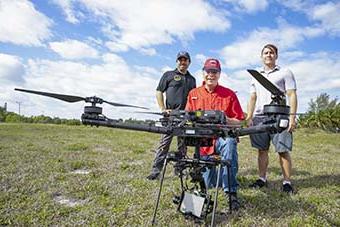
[{"x": 283, "y": 141}]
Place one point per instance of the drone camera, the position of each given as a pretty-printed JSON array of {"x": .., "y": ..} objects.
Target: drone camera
[
  {"x": 193, "y": 203},
  {"x": 283, "y": 123}
]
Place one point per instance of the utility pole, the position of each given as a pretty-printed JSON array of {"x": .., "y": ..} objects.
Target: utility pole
[
  {"x": 19, "y": 103},
  {"x": 5, "y": 107}
]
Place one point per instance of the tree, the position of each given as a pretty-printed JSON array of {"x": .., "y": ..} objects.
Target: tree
[{"x": 322, "y": 113}]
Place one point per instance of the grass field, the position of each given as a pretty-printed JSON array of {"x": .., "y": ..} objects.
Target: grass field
[{"x": 77, "y": 175}]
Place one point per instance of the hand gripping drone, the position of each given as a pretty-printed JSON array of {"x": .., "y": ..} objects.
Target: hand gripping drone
[{"x": 198, "y": 128}]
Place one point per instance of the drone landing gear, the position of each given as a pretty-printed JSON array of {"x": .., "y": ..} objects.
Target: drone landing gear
[{"x": 194, "y": 203}]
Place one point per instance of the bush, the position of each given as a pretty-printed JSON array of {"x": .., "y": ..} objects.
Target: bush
[{"x": 322, "y": 113}]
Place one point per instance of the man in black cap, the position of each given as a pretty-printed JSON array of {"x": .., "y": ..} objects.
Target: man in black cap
[{"x": 176, "y": 85}]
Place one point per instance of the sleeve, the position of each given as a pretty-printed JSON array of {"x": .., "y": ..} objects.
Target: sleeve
[
  {"x": 189, "y": 105},
  {"x": 252, "y": 88},
  {"x": 163, "y": 83},
  {"x": 236, "y": 109},
  {"x": 290, "y": 82},
  {"x": 193, "y": 83}
]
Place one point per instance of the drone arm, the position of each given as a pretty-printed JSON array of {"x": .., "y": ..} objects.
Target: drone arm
[
  {"x": 255, "y": 129},
  {"x": 106, "y": 122}
]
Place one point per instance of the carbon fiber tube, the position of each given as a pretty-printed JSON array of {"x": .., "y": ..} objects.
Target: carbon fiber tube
[
  {"x": 116, "y": 124},
  {"x": 256, "y": 129}
]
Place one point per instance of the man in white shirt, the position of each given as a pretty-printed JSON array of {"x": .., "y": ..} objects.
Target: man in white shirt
[{"x": 283, "y": 142}]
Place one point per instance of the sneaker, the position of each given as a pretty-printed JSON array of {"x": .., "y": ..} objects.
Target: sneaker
[
  {"x": 258, "y": 184},
  {"x": 287, "y": 188},
  {"x": 153, "y": 176},
  {"x": 235, "y": 204}
]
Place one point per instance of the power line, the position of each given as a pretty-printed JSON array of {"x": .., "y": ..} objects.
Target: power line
[{"x": 19, "y": 103}]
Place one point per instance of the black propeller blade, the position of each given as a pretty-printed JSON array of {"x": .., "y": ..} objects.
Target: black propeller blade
[
  {"x": 265, "y": 82},
  {"x": 124, "y": 105},
  {"x": 154, "y": 113},
  {"x": 72, "y": 98},
  {"x": 67, "y": 98}
]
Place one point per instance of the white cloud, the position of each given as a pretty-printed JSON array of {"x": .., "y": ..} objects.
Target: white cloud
[
  {"x": 246, "y": 51},
  {"x": 66, "y": 6},
  {"x": 141, "y": 24},
  {"x": 11, "y": 69},
  {"x": 116, "y": 47},
  {"x": 148, "y": 51},
  {"x": 113, "y": 80},
  {"x": 166, "y": 68},
  {"x": 249, "y": 6},
  {"x": 320, "y": 69},
  {"x": 326, "y": 13},
  {"x": 73, "y": 49},
  {"x": 22, "y": 24},
  {"x": 200, "y": 58}
]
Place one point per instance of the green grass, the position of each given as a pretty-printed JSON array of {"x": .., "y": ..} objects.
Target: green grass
[{"x": 38, "y": 164}]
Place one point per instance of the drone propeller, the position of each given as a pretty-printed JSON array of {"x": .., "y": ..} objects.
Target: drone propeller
[
  {"x": 67, "y": 98},
  {"x": 265, "y": 82},
  {"x": 124, "y": 105},
  {"x": 296, "y": 114},
  {"x": 154, "y": 113},
  {"x": 72, "y": 98}
]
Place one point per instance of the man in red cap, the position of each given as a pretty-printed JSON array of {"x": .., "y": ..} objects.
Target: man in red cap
[{"x": 212, "y": 96}]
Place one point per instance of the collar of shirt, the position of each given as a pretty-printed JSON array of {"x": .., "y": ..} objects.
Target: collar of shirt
[
  {"x": 177, "y": 71},
  {"x": 214, "y": 91},
  {"x": 276, "y": 68}
]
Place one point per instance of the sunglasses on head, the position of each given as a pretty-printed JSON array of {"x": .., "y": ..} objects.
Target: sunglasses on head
[{"x": 213, "y": 71}]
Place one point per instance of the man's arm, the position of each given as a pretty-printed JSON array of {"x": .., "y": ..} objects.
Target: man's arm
[
  {"x": 292, "y": 97},
  {"x": 160, "y": 100},
  {"x": 251, "y": 108}
]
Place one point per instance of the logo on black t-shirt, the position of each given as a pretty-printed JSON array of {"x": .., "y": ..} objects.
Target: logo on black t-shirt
[{"x": 177, "y": 77}]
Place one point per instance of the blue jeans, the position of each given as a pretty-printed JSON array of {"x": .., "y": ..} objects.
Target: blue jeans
[{"x": 227, "y": 149}]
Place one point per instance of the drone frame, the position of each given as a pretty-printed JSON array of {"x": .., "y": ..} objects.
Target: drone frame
[{"x": 176, "y": 124}]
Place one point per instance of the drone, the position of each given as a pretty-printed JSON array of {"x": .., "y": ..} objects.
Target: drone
[{"x": 199, "y": 129}]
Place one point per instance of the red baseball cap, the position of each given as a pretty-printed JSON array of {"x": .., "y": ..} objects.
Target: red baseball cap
[{"x": 212, "y": 63}]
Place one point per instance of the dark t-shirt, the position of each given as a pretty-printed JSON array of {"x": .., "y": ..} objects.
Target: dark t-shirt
[{"x": 176, "y": 87}]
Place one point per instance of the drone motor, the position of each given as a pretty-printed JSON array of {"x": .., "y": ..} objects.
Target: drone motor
[
  {"x": 93, "y": 110},
  {"x": 276, "y": 109}
]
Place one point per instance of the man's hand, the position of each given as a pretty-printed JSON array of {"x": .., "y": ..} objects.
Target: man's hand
[
  {"x": 249, "y": 122},
  {"x": 292, "y": 123},
  {"x": 167, "y": 111}
]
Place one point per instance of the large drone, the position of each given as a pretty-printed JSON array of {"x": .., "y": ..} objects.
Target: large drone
[{"x": 199, "y": 128}]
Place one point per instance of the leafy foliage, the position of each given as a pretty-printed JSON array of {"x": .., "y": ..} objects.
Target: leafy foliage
[
  {"x": 322, "y": 113},
  {"x": 11, "y": 117}
]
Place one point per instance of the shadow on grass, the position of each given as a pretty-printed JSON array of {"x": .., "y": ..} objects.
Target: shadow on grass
[
  {"x": 320, "y": 181},
  {"x": 278, "y": 205},
  {"x": 274, "y": 170},
  {"x": 270, "y": 202}
]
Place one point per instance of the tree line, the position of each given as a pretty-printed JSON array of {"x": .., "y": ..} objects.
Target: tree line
[{"x": 11, "y": 117}]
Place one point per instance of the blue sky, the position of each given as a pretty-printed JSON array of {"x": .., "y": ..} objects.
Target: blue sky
[{"x": 118, "y": 50}]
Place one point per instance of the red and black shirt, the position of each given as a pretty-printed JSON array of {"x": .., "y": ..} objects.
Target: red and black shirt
[{"x": 221, "y": 98}]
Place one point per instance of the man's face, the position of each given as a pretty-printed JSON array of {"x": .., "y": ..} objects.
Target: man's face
[
  {"x": 183, "y": 63},
  {"x": 211, "y": 77},
  {"x": 268, "y": 56}
]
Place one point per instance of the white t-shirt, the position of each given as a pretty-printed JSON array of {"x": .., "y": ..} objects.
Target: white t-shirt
[{"x": 282, "y": 78}]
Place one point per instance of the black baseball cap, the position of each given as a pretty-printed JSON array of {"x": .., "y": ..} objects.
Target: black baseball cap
[{"x": 183, "y": 54}]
